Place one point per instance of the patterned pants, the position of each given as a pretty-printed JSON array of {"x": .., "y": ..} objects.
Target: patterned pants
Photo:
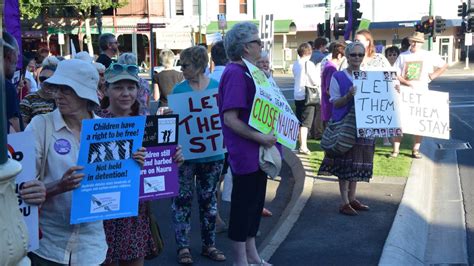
[{"x": 207, "y": 176}]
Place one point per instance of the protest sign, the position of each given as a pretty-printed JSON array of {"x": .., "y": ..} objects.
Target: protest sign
[
  {"x": 425, "y": 112},
  {"x": 110, "y": 186},
  {"x": 376, "y": 104},
  {"x": 159, "y": 176},
  {"x": 271, "y": 111},
  {"x": 24, "y": 152},
  {"x": 200, "y": 129}
]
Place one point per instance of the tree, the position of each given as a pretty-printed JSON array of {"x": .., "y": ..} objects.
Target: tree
[{"x": 81, "y": 10}]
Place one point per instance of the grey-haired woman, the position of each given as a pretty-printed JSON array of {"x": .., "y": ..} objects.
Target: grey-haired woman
[{"x": 236, "y": 94}]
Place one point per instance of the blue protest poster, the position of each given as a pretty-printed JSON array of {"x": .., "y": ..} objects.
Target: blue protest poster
[
  {"x": 200, "y": 130},
  {"x": 159, "y": 176},
  {"x": 110, "y": 187}
]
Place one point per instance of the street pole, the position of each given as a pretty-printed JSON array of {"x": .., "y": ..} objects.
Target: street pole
[
  {"x": 199, "y": 12},
  {"x": 327, "y": 17},
  {"x": 152, "y": 56},
  {"x": 430, "y": 39},
  {"x": 467, "y": 57},
  {"x": 254, "y": 9}
]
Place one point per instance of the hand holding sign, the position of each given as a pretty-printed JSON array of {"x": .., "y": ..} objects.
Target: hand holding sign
[
  {"x": 70, "y": 180},
  {"x": 267, "y": 140},
  {"x": 33, "y": 192},
  {"x": 139, "y": 156}
]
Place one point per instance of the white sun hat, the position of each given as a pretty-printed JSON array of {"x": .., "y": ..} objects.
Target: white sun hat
[{"x": 80, "y": 75}]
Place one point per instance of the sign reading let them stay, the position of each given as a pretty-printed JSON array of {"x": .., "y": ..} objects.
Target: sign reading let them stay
[
  {"x": 200, "y": 130},
  {"x": 271, "y": 111},
  {"x": 376, "y": 104},
  {"x": 425, "y": 113}
]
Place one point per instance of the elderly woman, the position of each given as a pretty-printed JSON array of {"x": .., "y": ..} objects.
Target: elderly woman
[
  {"x": 371, "y": 58},
  {"x": 166, "y": 79},
  {"x": 57, "y": 142},
  {"x": 236, "y": 94},
  {"x": 356, "y": 164},
  {"x": 143, "y": 86},
  {"x": 40, "y": 102},
  {"x": 201, "y": 173},
  {"x": 129, "y": 239}
]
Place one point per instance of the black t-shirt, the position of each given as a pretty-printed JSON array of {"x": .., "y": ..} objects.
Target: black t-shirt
[
  {"x": 13, "y": 104},
  {"x": 104, "y": 60},
  {"x": 166, "y": 81}
]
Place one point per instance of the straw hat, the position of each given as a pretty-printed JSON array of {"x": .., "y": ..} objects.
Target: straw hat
[{"x": 417, "y": 37}]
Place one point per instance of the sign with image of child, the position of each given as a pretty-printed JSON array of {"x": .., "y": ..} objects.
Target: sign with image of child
[
  {"x": 110, "y": 186},
  {"x": 425, "y": 112},
  {"x": 270, "y": 110},
  {"x": 24, "y": 152},
  {"x": 159, "y": 176},
  {"x": 200, "y": 129},
  {"x": 377, "y": 104}
]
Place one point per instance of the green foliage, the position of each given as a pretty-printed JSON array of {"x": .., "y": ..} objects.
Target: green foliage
[{"x": 31, "y": 9}]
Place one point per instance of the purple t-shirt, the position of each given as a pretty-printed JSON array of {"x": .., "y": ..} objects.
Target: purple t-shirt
[{"x": 236, "y": 91}]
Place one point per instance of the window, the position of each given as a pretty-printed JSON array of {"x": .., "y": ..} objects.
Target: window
[
  {"x": 179, "y": 8},
  {"x": 243, "y": 6},
  {"x": 222, "y": 6},
  {"x": 195, "y": 7}
]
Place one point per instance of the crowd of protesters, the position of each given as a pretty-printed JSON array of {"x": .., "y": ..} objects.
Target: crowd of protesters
[{"x": 56, "y": 94}]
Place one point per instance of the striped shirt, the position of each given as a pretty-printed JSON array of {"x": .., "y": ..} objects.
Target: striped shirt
[{"x": 33, "y": 104}]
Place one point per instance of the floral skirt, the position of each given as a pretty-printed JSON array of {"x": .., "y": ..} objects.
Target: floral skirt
[
  {"x": 129, "y": 238},
  {"x": 355, "y": 165}
]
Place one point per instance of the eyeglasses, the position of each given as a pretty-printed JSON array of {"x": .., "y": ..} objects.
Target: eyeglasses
[
  {"x": 42, "y": 78},
  {"x": 259, "y": 42},
  {"x": 65, "y": 90},
  {"x": 357, "y": 55},
  {"x": 119, "y": 68}
]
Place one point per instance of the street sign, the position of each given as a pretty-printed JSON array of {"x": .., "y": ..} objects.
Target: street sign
[
  {"x": 146, "y": 26},
  {"x": 60, "y": 38},
  {"x": 266, "y": 34},
  {"x": 468, "y": 39}
]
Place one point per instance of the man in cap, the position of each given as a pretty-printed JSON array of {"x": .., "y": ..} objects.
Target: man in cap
[
  {"x": 10, "y": 59},
  {"x": 416, "y": 68}
]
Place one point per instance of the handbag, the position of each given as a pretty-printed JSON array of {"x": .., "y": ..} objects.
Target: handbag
[
  {"x": 155, "y": 234},
  {"x": 339, "y": 137},
  {"x": 311, "y": 96}
]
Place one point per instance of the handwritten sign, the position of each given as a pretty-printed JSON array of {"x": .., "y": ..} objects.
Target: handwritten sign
[
  {"x": 159, "y": 176},
  {"x": 376, "y": 104},
  {"x": 109, "y": 189},
  {"x": 271, "y": 111},
  {"x": 200, "y": 129},
  {"x": 24, "y": 152},
  {"x": 424, "y": 112}
]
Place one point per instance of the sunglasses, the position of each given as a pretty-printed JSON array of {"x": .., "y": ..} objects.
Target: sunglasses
[
  {"x": 357, "y": 55},
  {"x": 119, "y": 68},
  {"x": 41, "y": 79},
  {"x": 259, "y": 42},
  {"x": 64, "y": 90}
]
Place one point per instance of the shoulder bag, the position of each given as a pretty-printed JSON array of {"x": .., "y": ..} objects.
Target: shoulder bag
[
  {"x": 339, "y": 137},
  {"x": 312, "y": 96}
]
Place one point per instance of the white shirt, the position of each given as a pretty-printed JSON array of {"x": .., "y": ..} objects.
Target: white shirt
[
  {"x": 305, "y": 74},
  {"x": 417, "y": 66},
  {"x": 33, "y": 85},
  {"x": 84, "y": 243},
  {"x": 334, "y": 89},
  {"x": 217, "y": 73}
]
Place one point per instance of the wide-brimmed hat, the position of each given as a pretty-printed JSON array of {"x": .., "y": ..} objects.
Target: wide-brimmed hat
[
  {"x": 81, "y": 76},
  {"x": 116, "y": 72},
  {"x": 417, "y": 37}
]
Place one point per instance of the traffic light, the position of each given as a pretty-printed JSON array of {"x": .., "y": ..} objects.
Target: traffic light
[
  {"x": 462, "y": 10},
  {"x": 320, "y": 29},
  {"x": 356, "y": 16},
  {"x": 440, "y": 24},
  {"x": 470, "y": 24},
  {"x": 339, "y": 26},
  {"x": 427, "y": 25}
]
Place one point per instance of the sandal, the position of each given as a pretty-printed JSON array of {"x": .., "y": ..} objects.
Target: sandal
[
  {"x": 393, "y": 154},
  {"x": 213, "y": 254},
  {"x": 416, "y": 154},
  {"x": 261, "y": 263},
  {"x": 185, "y": 257}
]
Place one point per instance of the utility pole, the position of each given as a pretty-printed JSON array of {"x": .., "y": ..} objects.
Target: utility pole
[
  {"x": 430, "y": 39},
  {"x": 199, "y": 12},
  {"x": 327, "y": 23}
]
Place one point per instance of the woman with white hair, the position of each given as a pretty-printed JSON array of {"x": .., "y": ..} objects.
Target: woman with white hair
[
  {"x": 236, "y": 93},
  {"x": 166, "y": 79},
  {"x": 143, "y": 86}
]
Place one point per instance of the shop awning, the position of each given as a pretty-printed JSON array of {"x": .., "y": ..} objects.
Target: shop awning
[
  {"x": 281, "y": 25},
  {"x": 408, "y": 24}
]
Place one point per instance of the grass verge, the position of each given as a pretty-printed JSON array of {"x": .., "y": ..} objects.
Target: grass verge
[{"x": 383, "y": 166}]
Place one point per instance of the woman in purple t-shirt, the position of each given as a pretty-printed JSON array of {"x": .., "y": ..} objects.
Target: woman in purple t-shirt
[{"x": 236, "y": 93}]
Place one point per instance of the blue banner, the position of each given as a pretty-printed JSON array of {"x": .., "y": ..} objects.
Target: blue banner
[{"x": 110, "y": 187}]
